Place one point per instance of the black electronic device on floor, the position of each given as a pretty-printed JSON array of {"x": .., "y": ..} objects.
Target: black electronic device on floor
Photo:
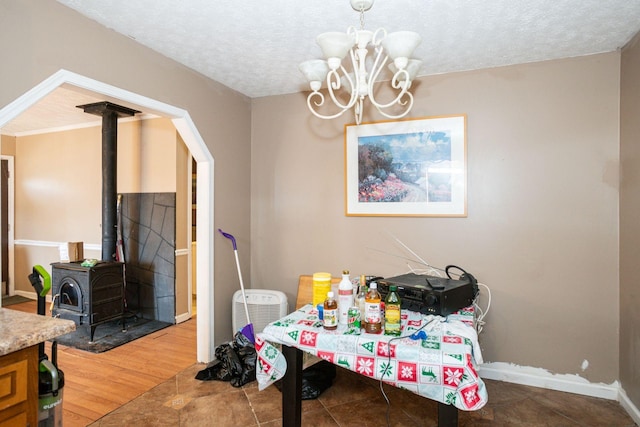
[{"x": 430, "y": 294}]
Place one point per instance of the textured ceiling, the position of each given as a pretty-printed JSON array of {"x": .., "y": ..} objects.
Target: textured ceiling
[{"x": 255, "y": 47}]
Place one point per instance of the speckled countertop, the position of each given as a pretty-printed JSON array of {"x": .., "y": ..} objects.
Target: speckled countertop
[{"x": 20, "y": 330}]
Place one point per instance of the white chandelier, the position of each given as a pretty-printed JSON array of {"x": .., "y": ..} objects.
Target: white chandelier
[{"x": 349, "y": 88}]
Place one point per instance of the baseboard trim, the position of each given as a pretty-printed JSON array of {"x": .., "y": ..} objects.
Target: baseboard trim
[
  {"x": 538, "y": 377},
  {"x": 182, "y": 317},
  {"x": 31, "y": 295},
  {"x": 628, "y": 406}
]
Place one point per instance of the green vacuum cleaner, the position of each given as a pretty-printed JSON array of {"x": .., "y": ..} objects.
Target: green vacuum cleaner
[{"x": 50, "y": 378}]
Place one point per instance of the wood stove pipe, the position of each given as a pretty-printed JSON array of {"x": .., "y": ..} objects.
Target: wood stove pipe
[{"x": 110, "y": 114}]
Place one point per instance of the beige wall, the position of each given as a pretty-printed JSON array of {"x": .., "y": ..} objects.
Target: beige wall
[
  {"x": 58, "y": 175},
  {"x": 47, "y": 37},
  {"x": 542, "y": 225},
  {"x": 147, "y": 161},
  {"x": 629, "y": 226},
  {"x": 8, "y": 145}
]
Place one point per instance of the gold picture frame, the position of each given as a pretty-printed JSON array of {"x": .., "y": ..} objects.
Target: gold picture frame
[{"x": 414, "y": 167}]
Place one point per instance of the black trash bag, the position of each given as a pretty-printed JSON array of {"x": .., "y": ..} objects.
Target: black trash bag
[
  {"x": 214, "y": 371},
  {"x": 235, "y": 362},
  {"x": 315, "y": 379},
  {"x": 246, "y": 353}
]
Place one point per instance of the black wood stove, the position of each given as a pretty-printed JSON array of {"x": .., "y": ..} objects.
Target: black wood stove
[
  {"x": 88, "y": 295},
  {"x": 93, "y": 295}
]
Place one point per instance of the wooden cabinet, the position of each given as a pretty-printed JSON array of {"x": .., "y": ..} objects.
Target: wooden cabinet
[{"x": 19, "y": 388}]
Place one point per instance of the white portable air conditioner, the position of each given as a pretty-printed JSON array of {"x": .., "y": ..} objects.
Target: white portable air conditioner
[{"x": 265, "y": 306}]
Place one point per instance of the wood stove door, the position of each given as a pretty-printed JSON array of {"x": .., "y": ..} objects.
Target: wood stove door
[
  {"x": 70, "y": 295},
  {"x": 69, "y": 300}
]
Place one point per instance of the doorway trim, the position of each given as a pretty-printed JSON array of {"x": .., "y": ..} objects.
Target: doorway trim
[{"x": 204, "y": 181}]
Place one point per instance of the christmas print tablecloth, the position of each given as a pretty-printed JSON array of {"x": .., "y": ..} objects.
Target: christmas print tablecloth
[{"x": 439, "y": 362}]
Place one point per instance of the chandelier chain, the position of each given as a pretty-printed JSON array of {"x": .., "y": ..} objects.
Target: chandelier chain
[{"x": 362, "y": 16}]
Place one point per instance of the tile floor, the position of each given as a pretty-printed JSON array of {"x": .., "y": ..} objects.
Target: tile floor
[{"x": 353, "y": 400}]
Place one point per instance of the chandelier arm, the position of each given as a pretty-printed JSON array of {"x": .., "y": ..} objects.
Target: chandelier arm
[
  {"x": 396, "y": 83},
  {"x": 376, "y": 69},
  {"x": 333, "y": 85},
  {"x": 378, "y": 36},
  {"x": 408, "y": 103},
  {"x": 311, "y": 103}
]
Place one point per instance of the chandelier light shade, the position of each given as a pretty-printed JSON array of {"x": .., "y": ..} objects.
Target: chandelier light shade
[{"x": 349, "y": 73}]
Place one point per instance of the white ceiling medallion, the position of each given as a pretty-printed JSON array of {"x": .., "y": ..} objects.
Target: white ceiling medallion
[{"x": 349, "y": 81}]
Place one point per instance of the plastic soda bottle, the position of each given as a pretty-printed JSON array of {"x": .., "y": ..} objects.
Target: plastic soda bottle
[
  {"x": 373, "y": 316},
  {"x": 345, "y": 298},
  {"x": 392, "y": 310},
  {"x": 330, "y": 312}
]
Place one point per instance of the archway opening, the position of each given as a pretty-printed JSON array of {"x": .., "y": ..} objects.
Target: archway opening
[{"x": 202, "y": 156}]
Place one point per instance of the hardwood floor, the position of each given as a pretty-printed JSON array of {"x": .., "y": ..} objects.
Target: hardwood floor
[{"x": 96, "y": 384}]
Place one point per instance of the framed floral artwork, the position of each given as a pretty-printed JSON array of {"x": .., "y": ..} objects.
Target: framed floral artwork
[{"x": 415, "y": 167}]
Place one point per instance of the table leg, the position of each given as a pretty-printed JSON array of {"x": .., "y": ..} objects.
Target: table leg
[
  {"x": 292, "y": 388},
  {"x": 447, "y": 415}
]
